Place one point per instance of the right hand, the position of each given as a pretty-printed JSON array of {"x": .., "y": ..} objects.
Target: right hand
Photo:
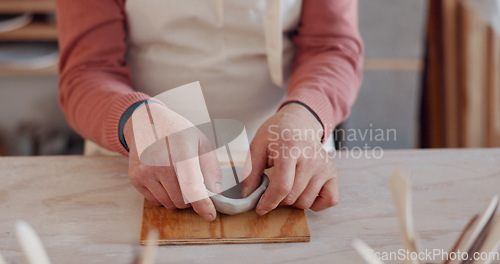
[{"x": 195, "y": 165}]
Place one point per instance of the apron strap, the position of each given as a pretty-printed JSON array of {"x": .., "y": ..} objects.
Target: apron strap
[{"x": 274, "y": 40}]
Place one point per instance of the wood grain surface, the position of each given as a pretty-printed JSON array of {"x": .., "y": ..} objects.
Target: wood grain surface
[
  {"x": 183, "y": 227},
  {"x": 86, "y": 211}
]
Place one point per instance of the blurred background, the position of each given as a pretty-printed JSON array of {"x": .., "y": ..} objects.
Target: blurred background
[{"x": 431, "y": 74}]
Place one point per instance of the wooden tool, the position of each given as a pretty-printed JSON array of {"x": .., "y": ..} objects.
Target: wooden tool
[
  {"x": 148, "y": 253},
  {"x": 401, "y": 192},
  {"x": 31, "y": 244},
  {"x": 181, "y": 227},
  {"x": 481, "y": 234},
  {"x": 366, "y": 252},
  {"x": 480, "y": 224},
  {"x": 492, "y": 242}
]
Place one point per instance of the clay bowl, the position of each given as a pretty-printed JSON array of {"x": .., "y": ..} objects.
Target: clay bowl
[{"x": 230, "y": 201}]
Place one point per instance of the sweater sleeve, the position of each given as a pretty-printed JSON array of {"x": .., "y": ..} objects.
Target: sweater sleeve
[
  {"x": 95, "y": 87},
  {"x": 328, "y": 65}
]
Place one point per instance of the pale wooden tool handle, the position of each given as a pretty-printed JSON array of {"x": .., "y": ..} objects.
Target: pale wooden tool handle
[
  {"x": 148, "y": 253},
  {"x": 366, "y": 252},
  {"x": 31, "y": 244},
  {"x": 401, "y": 193},
  {"x": 479, "y": 225},
  {"x": 492, "y": 242}
]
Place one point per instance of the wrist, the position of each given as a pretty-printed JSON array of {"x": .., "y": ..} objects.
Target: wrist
[
  {"x": 304, "y": 113},
  {"x": 124, "y": 120},
  {"x": 127, "y": 123},
  {"x": 128, "y": 131}
]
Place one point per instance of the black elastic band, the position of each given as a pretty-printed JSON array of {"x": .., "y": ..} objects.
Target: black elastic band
[
  {"x": 310, "y": 110},
  {"x": 124, "y": 119}
]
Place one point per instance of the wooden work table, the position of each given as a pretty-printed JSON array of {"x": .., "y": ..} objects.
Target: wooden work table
[{"x": 86, "y": 211}]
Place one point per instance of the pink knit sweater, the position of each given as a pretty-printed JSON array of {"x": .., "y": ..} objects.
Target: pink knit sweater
[{"x": 95, "y": 87}]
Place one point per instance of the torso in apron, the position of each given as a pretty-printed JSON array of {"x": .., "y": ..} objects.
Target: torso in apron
[
  {"x": 239, "y": 50},
  {"x": 227, "y": 45}
]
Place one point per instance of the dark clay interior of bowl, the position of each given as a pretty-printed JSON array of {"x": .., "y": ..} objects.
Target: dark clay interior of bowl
[{"x": 228, "y": 180}]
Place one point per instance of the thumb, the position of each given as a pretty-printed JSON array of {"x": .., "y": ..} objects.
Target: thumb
[
  {"x": 255, "y": 164},
  {"x": 210, "y": 166}
]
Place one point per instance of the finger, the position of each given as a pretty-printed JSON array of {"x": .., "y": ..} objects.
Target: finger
[
  {"x": 210, "y": 166},
  {"x": 168, "y": 180},
  {"x": 179, "y": 150},
  {"x": 148, "y": 195},
  {"x": 193, "y": 189},
  {"x": 156, "y": 188},
  {"x": 309, "y": 195},
  {"x": 328, "y": 196},
  {"x": 184, "y": 154},
  {"x": 205, "y": 208},
  {"x": 280, "y": 184},
  {"x": 301, "y": 180},
  {"x": 136, "y": 181},
  {"x": 191, "y": 180},
  {"x": 255, "y": 164}
]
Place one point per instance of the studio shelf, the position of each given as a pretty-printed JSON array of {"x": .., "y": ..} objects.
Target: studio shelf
[
  {"x": 23, "y": 6},
  {"x": 41, "y": 31}
]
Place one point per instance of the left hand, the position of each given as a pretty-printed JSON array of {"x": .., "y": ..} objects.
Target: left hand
[{"x": 303, "y": 176}]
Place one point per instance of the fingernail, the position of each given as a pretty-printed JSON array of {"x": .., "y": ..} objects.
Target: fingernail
[
  {"x": 209, "y": 217},
  {"x": 262, "y": 212},
  {"x": 244, "y": 192}
]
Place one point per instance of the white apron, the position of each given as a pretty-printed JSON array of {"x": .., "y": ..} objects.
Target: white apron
[{"x": 239, "y": 50}]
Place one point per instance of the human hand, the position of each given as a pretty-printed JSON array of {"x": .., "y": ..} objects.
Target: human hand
[
  {"x": 176, "y": 170},
  {"x": 303, "y": 176}
]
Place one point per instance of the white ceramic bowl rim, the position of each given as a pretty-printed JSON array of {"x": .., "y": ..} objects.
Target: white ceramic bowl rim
[{"x": 233, "y": 206}]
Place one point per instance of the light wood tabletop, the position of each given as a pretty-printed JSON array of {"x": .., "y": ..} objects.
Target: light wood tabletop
[{"x": 86, "y": 211}]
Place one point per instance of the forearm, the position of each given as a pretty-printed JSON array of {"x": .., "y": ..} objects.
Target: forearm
[
  {"x": 328, "y": 66},
  {"x": 326, "y": 84},
  {"x": 95, "y": 87},
  {"x": 94, "y": 102}
]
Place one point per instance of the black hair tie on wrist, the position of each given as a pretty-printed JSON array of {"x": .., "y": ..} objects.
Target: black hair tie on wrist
[
  {"x": 126, "y": 115},
  {"x": 310, "y": 110}
]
